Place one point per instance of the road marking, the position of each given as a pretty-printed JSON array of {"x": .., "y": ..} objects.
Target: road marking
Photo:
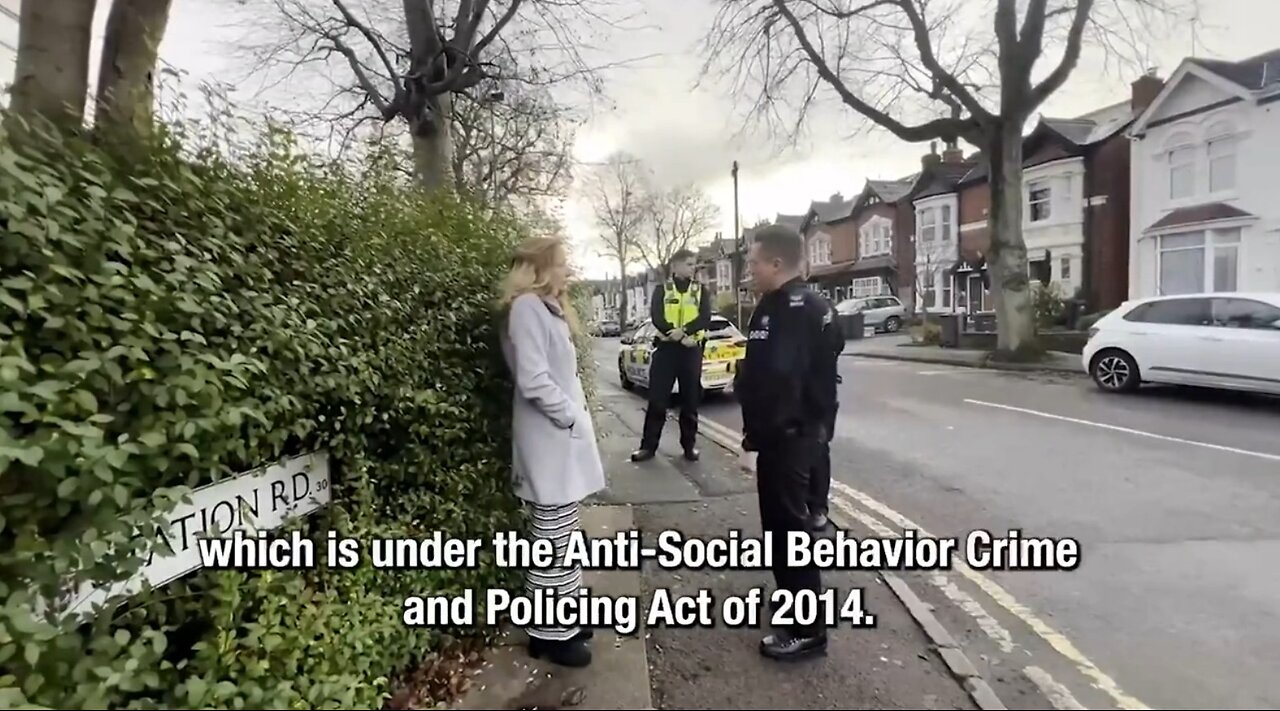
[
  {"x": 959, "y": 371},
  {"x": 1127, "y": 430},
  {"x": 988, "y": 624},
  {"x": 993, "y": 590},
  {"x": 1006, "y": 600},
  {"x": 1057, "y": 694}
]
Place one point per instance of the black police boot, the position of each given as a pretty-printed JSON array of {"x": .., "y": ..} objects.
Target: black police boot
[
  {"x": 642, "y": 455},
  {"x": 785, "y": 646},
  {"x": 692, "y": 454},
  {"x": 567, "y": 653},
  {"x": 818, "y": 522},
  {"x": 584, "y": 634}
]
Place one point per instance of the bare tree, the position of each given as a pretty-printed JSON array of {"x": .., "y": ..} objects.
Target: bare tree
[
  {"x": 930, "y": 69},
  {"x": 408, "y": 60},
  {"x": 51, "y": 77},
  {"x": 126, "y": 77},
  {"x": 517, "y": 151},
  {"x": 618, "y": 191},
  {"x": 677, "y": 218}
]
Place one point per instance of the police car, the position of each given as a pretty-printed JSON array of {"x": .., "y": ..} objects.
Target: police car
[{"x": 724, "y": 347}]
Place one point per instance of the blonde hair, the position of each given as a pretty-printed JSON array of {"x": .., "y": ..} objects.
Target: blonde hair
[{"x": 530, "y": 273}]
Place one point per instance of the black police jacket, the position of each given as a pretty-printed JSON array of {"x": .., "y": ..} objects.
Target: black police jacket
[{"x": 787, "y": 381}]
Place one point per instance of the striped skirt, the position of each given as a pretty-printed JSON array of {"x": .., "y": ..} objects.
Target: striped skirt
[{"x": 557, "y": 524}]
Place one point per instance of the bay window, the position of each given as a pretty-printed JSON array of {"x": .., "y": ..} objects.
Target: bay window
[
  {"x": 875, "y": 238},
  {"x": 935, "y": 224},
  {"x": 820, "y": 250},
  {"x": 1039, "y": 200},
  {"x": 1198, "y": 262}
]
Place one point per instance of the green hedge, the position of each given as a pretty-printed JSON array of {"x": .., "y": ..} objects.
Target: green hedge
[{"x": 167, "y": 321}]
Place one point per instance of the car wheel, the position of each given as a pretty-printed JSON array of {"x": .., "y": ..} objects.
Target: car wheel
[
  {"x": 622, "y": 378},
  {"x": 892, "y": 324},
  {"x": 1115, "y": 371}
]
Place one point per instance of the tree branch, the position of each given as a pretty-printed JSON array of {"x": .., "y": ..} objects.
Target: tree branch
[
  {"x": 942, "y": 77},
  {"x": 944, "y": 128},
  {"x": 1070, "y": 56}
]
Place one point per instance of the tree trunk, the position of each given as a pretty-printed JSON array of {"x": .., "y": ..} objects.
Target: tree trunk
[
  {"x": 433, "y": 146},
  {"x": 126, "y": 80},
  {"x": 622, "y": 300},
  {"x": 1011, "y": 287},
  {"x": 51, "y": 78}
]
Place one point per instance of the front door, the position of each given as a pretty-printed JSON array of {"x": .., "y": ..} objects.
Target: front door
[{"x": 975, "y": 294}]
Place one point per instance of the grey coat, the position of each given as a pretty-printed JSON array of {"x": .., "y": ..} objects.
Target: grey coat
[{"x": 554, "y": 454}]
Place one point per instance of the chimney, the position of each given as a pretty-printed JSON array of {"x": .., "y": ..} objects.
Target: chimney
[
  {"x": 837, "y": 198},
  {"x": 952, "y": 153},
  {"x": 932, "y": 158},
  {"x": 1145, "y": 90}
]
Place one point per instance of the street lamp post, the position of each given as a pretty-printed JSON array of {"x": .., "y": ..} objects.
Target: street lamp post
[
  {"x": 493, "y": 98},
  {"x": 737, "y": 249}
]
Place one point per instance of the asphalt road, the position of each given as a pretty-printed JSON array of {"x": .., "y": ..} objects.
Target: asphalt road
[{"x": 1172, "y": 494}]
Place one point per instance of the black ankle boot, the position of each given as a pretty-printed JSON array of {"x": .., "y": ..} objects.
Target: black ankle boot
[
  {"x": 567, "y": 653},
  {"x": 584, "y": 634}
]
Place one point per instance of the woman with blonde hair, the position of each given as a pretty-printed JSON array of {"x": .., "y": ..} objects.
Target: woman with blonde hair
[{"x": 555, "y": 461}]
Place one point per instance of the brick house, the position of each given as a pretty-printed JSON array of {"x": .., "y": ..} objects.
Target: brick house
[
  {"x": 1205, "y": 211},
  {"x": 876, "y": 215},
  {"x": 830, "y": 244},
  {"x": 1075, "y": 212}
]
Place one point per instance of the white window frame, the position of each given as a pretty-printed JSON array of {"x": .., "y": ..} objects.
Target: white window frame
[
  {"x": 1181, "y": 169},
  {"x": 928, "y": 224},
  {"x": 928, "y": 286},
  {"x": 1212, "y": 242},
  {"x": 820, "y": 249},
  {"x": 1046, "y": 200},
  {"x": 1220, "y": 155},
  {"x": 866, "y": 286},
  {"x": 946, "y": 222},
  {"x": 875, "y": 238},
  {"x": 1064, "y": 268}
]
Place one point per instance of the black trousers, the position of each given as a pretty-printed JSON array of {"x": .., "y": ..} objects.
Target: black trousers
[
  {"x": 820, "y": 479},
  {"x": 672, "y": 364},
  {"x": 820, "y": 475},
  {"x": 783, "y": 466}
]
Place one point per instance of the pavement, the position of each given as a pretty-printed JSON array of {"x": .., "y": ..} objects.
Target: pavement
[
  {"x": 900, "y": 347},
  {"x": 1171, "y": 493},
  {"x": 905, "y": 660}
]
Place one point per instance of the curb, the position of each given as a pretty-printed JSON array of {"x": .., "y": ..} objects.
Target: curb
[
  {"x": 948, "y": 649},
  {"x": 984, "y": 365}
]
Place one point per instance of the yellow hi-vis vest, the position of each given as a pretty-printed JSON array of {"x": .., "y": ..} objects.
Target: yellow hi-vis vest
[{"x": 680, "y": 309}]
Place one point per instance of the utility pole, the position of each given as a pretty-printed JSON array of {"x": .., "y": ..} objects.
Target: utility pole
[
  {"x": 737, "y": 250},
  {"x": 494, "y": 98}
]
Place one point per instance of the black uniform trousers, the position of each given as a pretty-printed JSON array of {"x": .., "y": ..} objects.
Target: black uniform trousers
[
  {"x": 673, "y": 363},
  {"x": 783, "y": 467},
  {"x": 820, "y": 475}
]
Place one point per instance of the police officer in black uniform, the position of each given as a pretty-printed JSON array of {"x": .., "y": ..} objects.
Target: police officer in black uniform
[
  {"x": 786, "y": 385},
  {"x": 677, "y": 355}
]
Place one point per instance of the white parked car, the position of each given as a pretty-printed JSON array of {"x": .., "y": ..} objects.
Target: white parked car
[{"x": 1222, "y": 340}]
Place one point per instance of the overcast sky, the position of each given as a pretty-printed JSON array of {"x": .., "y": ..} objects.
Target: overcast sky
[{"x": 688, "y": 135}]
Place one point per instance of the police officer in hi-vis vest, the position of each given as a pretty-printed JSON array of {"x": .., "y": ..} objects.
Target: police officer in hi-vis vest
[{"x": 681, "y": 311}]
